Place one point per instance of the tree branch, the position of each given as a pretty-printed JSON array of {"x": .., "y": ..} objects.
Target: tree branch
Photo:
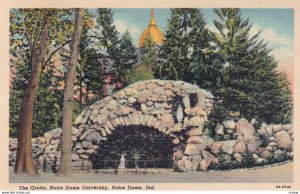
[{"x": 55, "y": 51}]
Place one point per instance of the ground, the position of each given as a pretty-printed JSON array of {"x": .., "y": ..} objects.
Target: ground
[{"x": 278, "y": 173}]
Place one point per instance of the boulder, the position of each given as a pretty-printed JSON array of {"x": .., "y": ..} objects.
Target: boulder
[
  {"x": 192, "y": 149},
  {"x": 131, "y": 100},
  {"x": 219, "y": 129},
  {"x": 269, "y": 130},
  {"x": 195, "y": 121},
  {"x": 195, "y": 131},
  {"x": 151, "y": 86},
  {"x": 186, "y": 102},
  {"x": 216, "y": 148},
  {"x": 244, "y": 129},
  {"x": 229, "y": 124},
  {"x": 195, "y": 140},
  {"x": 209, "y": 158},
  {"x": 203, "y": 166},
  {"x": 277, "y": 128},
  {"x": 238, "y": 157},
  {"x": 287, "y": 127},
  {"x": 284, "y": 141},
  {"x": 227, "y": 146},
  {"x": 240, "y": 147},
  {"x": 252, "y": 145},
  {"x": 131, "y": 91}
]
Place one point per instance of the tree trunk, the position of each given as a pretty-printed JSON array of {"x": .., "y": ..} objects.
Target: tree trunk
[
  {"x": 65, "y": 168},
  {"x": 24, "y": 161}
]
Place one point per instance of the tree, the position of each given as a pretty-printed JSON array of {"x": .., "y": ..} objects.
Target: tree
[
  {"x": 127, "y": 56},
  {"x": 24, "y": 162},
  {"x": 35, "y": 37},
  {"x": 65, "y": 168},
  {"x": 250, "y": 82},
  {"x": 186, "y": 49},
  {"x": 109, "y": 35}
]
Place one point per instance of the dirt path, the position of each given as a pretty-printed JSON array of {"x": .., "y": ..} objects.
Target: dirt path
[{"x": 271, "y": 174}]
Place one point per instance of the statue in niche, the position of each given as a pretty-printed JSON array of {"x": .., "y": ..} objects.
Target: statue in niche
[{"x": 179, "y": 113}]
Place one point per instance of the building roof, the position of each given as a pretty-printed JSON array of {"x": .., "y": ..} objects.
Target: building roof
[{"x": 156, "y": 34}]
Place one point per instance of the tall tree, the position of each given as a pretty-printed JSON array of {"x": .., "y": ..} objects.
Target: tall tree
[
  {"x": 251, "y": 83},
  {"x": 184, "y": 50},
  {"x": 35, "y": 37},
  {"x": 109, "y": 35},
  {"x": 65, "y": 168},
  {"x": 127, "y": 56},
  {"x": 24, "y": 162}
]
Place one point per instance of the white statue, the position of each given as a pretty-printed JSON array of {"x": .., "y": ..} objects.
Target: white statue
[
  {"x": 121, "y": 167},
  {"x": 179, "y": 113}
]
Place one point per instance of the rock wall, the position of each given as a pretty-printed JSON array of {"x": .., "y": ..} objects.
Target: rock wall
[{"x": 178, "y": 110}]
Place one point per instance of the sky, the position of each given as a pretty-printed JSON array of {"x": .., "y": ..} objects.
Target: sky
[{"x": 276, "y": 26}]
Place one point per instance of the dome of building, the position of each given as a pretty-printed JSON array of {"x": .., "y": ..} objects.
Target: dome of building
[{"x": 156, "y": 34}]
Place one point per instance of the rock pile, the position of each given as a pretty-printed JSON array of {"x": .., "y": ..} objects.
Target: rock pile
[{"x": 176, "y": 109}]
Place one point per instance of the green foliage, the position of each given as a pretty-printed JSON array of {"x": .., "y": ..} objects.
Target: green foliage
[
  {"x": 148, "y": 52},
  {"x": 186, "y": 51},
  {"x": 48, "y": 103},
  {"x": 250, "y": 82},
  {"x": 140, "y": 73}
]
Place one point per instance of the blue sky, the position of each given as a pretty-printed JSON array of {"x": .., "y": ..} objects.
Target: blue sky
[{"x": 276, "y": 26}]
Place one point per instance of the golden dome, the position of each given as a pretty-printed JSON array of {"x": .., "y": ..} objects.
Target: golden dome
[{"x": 156, "y": 34}]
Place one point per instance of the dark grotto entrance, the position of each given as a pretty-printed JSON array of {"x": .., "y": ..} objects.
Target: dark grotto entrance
[{"x": 141, "y": 146}]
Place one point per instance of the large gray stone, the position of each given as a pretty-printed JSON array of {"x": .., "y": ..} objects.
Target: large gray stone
[
  {"x": 227, "y": 146},
  {"x": 244, "y": 129},
  {"x": 284, "y": 140}
]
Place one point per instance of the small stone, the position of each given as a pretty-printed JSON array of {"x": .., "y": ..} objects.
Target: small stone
[
  {"x": 254, "y": 156},
  {"x": 176, "y": 141},
  {"x": 238, "y": 157},
  {"x": 131, "y": 91},
  {"x": 269, "y": 130},
  {"x": 219, "y": 129},
  {"x": 229, "y": 124},
  {"x": 287, "y": 127},
  {"x": 195, "y": 121},
  {"x": 259, "y": 160},
  {"x": 227, "y": 146},
  {"x": 277, "y": 152},
  {"x": 203, "y": 165},
  {"x": 196, "y": 140},
  {"x": 168, "y": 86},
  {"x": 216, "y": 148},
  {"x": 151, "y": 86},
  {"x": 186, "y": 102},
  {"x": 131, "y": 100},
  {"x": 195, "y": 131},
  {"x": 240, "y": 147},
  {"x": 144, "y": 108},
  {"x": 277, "y": 128},
  {"x": 192, "y": 149},
  {"x": 253, "y": 121},
  {"x": 149, "y": 103}
]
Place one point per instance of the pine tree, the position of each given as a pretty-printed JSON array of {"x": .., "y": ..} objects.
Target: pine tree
[
  {"x": 127, "y": 56},
  {"x": 186, "y": 51},
  {"x": 250, "y": 82},
  {"x": 144, "y": 70},
  {"x": 109, "y": 35}
]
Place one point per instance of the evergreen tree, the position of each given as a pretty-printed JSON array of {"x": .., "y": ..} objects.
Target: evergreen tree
[
  {"x": 127, "y": 56},
  {"x": 250, "y": 82},
  {"x": 144, "y": 70},
  {"x": 186, "y": 52},
  {"x": 109, "y": 35}
]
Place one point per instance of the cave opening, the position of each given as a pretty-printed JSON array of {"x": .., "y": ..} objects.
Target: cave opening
[{"x": 140, "y": 145}]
